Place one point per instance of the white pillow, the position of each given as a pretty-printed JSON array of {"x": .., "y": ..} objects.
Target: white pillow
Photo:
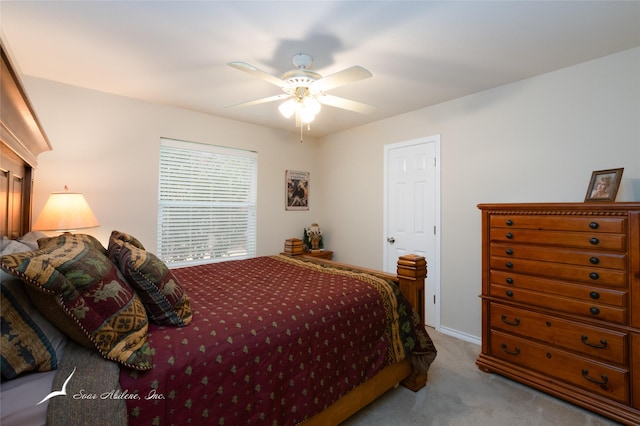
[
  {"x": 31, "y": 239},
  {"x": 8, "y": 246}
]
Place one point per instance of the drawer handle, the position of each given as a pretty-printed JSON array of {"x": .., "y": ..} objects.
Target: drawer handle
[
  {"x": 509, "y": 235},
  {"x": 594, "y": 310},
  {"x": 514, "y": 352},
  {"x": 594, "y": 275},
  {"x": 509, "y": 280},
  {"x": 509, "y": 293},
  {"x": 509, "y": 251},
  {"x": 594, "y": 225},
  {"x": 594, "y": 295},
  {"x": 594, "y": 241},
  {"x": 509, "y": 265},
  {"x": 509, "y": 222},
  {"x": 602, "y": 345},
  {"x": 594, "y": 260},
  {"x": 516, "y": 321},
  {"x": 604, "y": 381}
]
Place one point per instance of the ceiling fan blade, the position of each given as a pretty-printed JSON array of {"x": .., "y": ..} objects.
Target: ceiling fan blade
[
  {"x": 343, "y": 103},
  {"x": 250, "y": 69},
  {"x": 349, "y": 75},
  {"x": 260, "y": 101}
]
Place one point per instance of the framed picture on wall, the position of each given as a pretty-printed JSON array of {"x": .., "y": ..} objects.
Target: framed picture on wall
[
  {"x": 604, "y": 185},
  {"x": 297, "y": 190}
]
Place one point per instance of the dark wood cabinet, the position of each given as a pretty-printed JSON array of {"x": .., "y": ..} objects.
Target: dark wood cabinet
[
  {"x": 561, "y": 301},
  {"x": 21, "y": 140}
]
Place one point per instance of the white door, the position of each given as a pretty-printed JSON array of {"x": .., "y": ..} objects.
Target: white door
[{"x": 412, "y": 206}]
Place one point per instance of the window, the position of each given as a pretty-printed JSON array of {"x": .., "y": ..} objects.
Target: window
[{"x": 207, "y": 203}]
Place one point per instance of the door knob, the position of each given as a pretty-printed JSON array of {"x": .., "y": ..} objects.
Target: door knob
[{"x": 391, "y": 240}]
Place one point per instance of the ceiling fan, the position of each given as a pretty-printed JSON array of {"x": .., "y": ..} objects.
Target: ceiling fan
[{"x": 304, "y": 90}]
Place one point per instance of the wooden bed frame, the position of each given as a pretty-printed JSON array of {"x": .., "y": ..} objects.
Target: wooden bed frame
[
  {"x": 411, "y": 275},
  {"x": 22, "y": 139}
]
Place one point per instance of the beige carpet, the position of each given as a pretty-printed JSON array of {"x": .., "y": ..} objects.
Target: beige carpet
[{"x": 458, "y": 393}]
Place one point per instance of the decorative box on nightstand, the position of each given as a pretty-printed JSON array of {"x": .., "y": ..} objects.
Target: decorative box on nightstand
[{"x": 294, "y": 247}]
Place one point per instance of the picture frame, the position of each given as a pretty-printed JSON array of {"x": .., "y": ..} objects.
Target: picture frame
[
  {"x": 604, "y": 185},
  {"x": 296, "y": 190}
]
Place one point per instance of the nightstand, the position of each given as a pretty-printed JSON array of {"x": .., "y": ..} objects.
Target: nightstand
[{"x": 322, "y": 254}]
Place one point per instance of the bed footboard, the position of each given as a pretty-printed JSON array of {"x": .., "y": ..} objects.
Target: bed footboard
[
  {"x": 411, "y": 276},
  {"x": 412, "y": 272}
]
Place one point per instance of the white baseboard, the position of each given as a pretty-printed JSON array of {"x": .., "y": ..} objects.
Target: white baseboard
[{"x": 460, "y": 335}]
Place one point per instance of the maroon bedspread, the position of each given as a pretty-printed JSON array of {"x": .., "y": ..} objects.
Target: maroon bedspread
[{"x": 271, "y": 342}]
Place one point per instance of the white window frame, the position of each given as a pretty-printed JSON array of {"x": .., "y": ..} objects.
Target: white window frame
[{"x": 207, "y": 201}]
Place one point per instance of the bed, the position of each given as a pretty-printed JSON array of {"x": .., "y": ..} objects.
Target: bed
[
  {"x": 271, "y": 339},
  {"x": 95, "y": 334}
]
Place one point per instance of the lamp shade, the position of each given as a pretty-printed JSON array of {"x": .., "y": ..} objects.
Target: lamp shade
[
  {"x": 287, "y": 108},
  {"x": 65, "y": 211}
]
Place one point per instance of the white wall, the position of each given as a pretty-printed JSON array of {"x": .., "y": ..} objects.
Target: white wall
[
  {"x": 107, "y": 147},
  {"x": 537, "y": 140},
  {"x": 534, "y": 140}
]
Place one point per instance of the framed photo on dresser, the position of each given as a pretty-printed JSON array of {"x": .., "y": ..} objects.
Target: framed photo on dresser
[{"x": 604, "y": 185}]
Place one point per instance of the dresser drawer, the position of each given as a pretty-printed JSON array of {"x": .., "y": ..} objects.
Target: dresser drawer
[
  {"x": 562, "y": 304},
  {"x": 617, "y": 225},
  {"x": 584, "y": 274},
  {"x": 604, "y": 344},
  {"x": 588, "y": 293},
  {"x": 597, "y": 377},
  {"x": 610, "y": 260},
  {"x": 586, "y": 240}
]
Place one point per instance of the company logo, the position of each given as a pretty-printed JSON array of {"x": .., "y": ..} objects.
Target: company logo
[
  {"x": 112, "y": 394},
  {"x": 61, "y": 392}
]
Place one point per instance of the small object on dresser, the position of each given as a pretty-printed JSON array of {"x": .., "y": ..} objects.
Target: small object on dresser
[
  {"x": 293, "y": 247},
  {"x": 604, "y": 185}
]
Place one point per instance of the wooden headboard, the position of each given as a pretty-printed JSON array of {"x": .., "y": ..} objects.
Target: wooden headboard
[
  {"x": 15, "y": 193},
  {"x": 21, "y": 140}
]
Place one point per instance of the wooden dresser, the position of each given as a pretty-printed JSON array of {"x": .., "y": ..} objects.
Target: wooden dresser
[{"x": 561, "y": 301}]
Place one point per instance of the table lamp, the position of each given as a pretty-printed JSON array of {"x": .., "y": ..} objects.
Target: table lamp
[{"x": 65, "y": 211}]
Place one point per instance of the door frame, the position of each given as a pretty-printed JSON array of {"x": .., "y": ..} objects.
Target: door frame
[{"x": 433, "y": 265}]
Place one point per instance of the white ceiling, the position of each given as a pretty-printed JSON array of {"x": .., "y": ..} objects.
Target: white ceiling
[{"x": 420, "y": 52}]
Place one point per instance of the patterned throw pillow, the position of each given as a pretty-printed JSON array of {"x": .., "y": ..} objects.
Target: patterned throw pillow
[
  {"x": 28, "y": 341},
  {"x": 83, "y": 238},
  {"x": 163, "y": 297},
  {"x": 88, "y": 288}
]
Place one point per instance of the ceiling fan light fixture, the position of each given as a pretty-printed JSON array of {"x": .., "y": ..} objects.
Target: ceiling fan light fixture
[
  {"x": 288, "y": 108},
  {"x": 306, "y": 107},
  {"x": 311, "y": 105},
  {"x": 306, "y": 116}
]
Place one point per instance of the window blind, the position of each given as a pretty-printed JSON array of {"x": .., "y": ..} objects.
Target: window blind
[{"x": 207, "y": 203}]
